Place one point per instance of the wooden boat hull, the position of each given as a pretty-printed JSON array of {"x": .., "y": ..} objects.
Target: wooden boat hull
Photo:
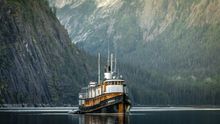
[{"x": 118, "y": 104}]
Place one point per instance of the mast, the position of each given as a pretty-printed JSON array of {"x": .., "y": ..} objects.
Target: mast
[
  {"x": 99, "y": 73},
  {"x": 115, "y": 68},
  {"x": 108, "y": 63},
  {"x": 111, "y": 63}
]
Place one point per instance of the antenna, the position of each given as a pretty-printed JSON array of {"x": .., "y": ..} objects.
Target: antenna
[
  {"x": 108, "y": 53},
  {"x": 111, "y": 62},
  {"x": 99, "y": 56},
  {"x": 108, "y": 59},
  {"x": 115, "y": 69}
]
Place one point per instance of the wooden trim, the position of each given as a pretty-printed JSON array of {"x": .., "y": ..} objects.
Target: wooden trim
[{"x": 98, "y": 99}]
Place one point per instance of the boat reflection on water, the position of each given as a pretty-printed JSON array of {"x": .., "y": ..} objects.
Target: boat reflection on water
[{"x": 104, "y": 119}]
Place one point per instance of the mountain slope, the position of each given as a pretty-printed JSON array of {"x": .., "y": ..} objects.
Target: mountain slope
[
  {"x": 38, "y": 62},
  {"x": 179, "y": 28},
  {"x": 175, "y": 40}
]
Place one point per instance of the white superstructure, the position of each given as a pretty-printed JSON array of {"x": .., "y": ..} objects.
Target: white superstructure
[{"x": 112, "y": 83}]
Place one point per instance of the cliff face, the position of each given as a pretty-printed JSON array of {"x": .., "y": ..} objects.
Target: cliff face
[
  {"x": 176, "y": 39},
  {"x": 38, "y": 62},
  {"x": 172, "y": 34},
  {"x": 181, "y": 36}
]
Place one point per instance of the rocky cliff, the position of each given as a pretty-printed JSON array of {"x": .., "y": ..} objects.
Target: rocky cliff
[
  {"x": 163, "y": 30},
  {"x": 38, "y": 62},
  {"x": 176, "y": 39}
]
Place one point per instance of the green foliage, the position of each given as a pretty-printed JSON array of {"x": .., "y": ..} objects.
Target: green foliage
[
  {"x": 4, "y": 56},
  {"x": 3, "y": 85}
]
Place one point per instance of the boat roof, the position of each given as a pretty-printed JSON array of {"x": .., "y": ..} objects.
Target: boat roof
[{"x": 113, "y": 80}]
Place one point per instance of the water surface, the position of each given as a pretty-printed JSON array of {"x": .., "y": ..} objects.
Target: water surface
[{"x": 138, "y": 115}]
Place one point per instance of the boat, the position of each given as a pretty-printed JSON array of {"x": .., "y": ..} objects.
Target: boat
[{"x": 109, "y": 95}]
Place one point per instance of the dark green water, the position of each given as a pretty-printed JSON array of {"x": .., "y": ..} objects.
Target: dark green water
[{"x": 143, "y": 117}]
